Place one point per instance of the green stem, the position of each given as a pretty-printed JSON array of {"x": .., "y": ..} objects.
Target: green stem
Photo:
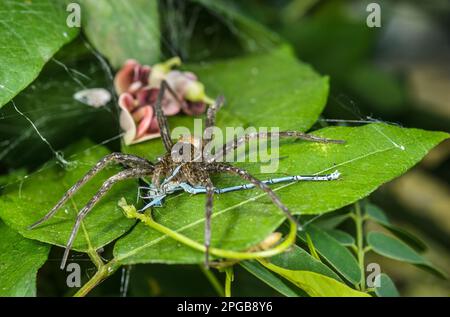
[
  {"x": 95, "y": 258},
  {"x": 104, "y": 271},
  {"x": 213, "y": 280},
  {"x": 359, "y": 223},
  {"x": 130, "y": 212},
  {"x": 229, "y": 277}
]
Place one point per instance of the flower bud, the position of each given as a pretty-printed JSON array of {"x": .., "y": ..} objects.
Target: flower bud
[{"x": 159, "y": 71}]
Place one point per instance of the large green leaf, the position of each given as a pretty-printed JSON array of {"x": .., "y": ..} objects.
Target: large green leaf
[
  {"x": 123, "y": 29},
  {"x": 30, "y": 33},
  {"x": 316, "y": 284},
  {"x": 265, "y": 90},
  {"x": 270, "y": 278},
  {"x": 396, "y": 249},
  {"x": 19, "y": 262},
  {"x": 337, "y": 255},
  {"x": 23, "y": 203},
  {"x": 373, "y": 154}
]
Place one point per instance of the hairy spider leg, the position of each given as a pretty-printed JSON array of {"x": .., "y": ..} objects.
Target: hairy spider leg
[
  {"x": 201, "y": 190},
  {"x": 162, "y": 120},
  {"x": 118, "y": 158},
  {"x": 212, "y": 111},
  {"x": 123, "y": 175},
  {"x": 234, "y": 144}
]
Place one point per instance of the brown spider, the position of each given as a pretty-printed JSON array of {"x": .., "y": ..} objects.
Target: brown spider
[{"x": 196, "y": 172}]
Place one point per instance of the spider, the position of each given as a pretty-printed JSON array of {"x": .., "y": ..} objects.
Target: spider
[{"x": 196, "y": 172}]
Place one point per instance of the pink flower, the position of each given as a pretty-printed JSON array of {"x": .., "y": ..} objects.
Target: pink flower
[
  {"x": 186, "y": 84},
  {"x": 131, "y": 77},
  {"x": 138, "y": 87}
]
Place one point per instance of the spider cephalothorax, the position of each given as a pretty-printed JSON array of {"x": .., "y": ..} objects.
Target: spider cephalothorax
[{"x": 173, "y": 171}]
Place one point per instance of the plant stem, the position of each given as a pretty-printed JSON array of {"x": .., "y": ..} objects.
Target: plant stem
[
  {"x": 229, "y": 277},
  {"x": 95, "y": 258},
  {"x": 105, "y": 270},
  {"x": 359, "y": 223},
  {"x": 102, "y": 273},
  {"x": 131, "y": 212},
  {"x": 213, "y": 280}
]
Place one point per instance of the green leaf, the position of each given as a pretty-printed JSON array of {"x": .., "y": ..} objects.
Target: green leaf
[
  {"x": 297, "y": 259},
  {"x": 396, "y": 249},
  {"x": 393, "y": 248},
  {"x": 30, "y": 33},
  {"x": 123, "y": 29},
  {"x": 336, "y": 255},
  {"x": 19, "y": 262},
  {"x": 387, "y": 287},
  {"x": 24, "y": 203},
  {"x": 331, "y": 221},
  {"x": 370, "y": 157},
  {"x": 376, "y": 214},
  {"x": 311, "y": 247},
  {"x": 266, "y": 90},
  {"x": 342, "y": 237},
  {"x": 316, "y": 284},
  {"x": 253, "y": 36},
  {"x": 269, "y": 278}
]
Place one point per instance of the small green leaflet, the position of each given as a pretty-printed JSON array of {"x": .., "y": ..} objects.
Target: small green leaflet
[
  {"x": 396, "y": 249},
  {"x": 316, "y": 284}
]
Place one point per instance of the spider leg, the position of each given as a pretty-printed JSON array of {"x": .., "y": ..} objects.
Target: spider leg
[
  {"x": 162, "y": 120},
  {"x": 212, "y": 111},
  {"x": 211, "y": 119},
  {"x": 249, "y": 178},
  {"x": 123, "y": 175},
  {"x": 232, "y": 145},
  {"x": 119, "y": 158},
  {"x": 208, "y": 212}
]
